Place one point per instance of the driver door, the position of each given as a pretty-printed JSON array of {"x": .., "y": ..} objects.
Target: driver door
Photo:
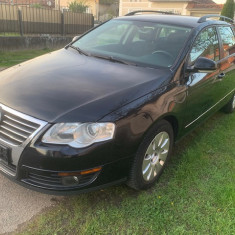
[{"x": 201, "y": 86}]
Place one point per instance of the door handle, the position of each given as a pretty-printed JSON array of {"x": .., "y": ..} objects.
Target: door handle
[{"x": 221, "y": 75}]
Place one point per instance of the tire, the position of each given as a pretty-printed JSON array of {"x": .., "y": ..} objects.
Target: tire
[
  {"x": 230, "y": 106},
  {"x": 150, "y": 160}
]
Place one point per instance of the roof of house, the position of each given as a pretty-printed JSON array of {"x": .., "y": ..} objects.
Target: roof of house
[{"x": 202, "y": 4}]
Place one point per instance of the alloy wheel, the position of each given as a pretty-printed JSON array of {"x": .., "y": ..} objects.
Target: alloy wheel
[{"x": 155, "y": 156}]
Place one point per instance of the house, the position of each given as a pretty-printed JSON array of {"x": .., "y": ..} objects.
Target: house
[
  {"x": 203, "y": 7},
  {"x": 182, "y": 7}
]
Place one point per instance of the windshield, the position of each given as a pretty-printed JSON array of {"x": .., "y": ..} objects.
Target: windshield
[{"x": 141, "y": 43}]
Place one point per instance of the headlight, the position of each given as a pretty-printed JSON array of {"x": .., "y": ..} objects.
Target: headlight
[{"x": 79, "y": 135}]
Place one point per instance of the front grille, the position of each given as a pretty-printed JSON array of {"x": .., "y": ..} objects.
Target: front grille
[
  {"x": 53, "y": 180},
  {"x": 15, "y": 130}
]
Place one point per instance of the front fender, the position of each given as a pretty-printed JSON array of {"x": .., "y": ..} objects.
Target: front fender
[{"x": 134, "y": 119}]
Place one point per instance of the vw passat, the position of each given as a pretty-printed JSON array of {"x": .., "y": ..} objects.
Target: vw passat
[{"x": 109, "y": 107}]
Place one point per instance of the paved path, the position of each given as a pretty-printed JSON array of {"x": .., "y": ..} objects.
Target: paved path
[{"x": 18, "y": 204}]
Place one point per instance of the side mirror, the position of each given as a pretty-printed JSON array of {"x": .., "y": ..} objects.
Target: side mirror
[
  {"x": 75, "y": 38},
  {"x": 203, "y": 65}
]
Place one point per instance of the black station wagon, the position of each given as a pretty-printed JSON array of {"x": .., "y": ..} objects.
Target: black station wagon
[{"x": 109, "y": 107}]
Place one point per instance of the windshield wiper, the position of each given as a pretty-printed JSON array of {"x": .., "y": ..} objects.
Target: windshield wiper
[
  {"x": 78, "y": 49},
  {"x": 113, "y": 59}
]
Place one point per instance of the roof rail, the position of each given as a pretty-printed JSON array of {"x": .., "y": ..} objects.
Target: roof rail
[
  {"x": 204, "y": 18},
  {"x": 162, "y": 12}
]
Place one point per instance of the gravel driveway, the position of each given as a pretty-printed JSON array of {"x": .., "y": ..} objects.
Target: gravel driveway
[{"x": 18, "y": 204}]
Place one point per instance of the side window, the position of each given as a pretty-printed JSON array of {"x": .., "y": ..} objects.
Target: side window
[
  {"x": 206, "y": 45},
  {"x": 228, "y": 40}
]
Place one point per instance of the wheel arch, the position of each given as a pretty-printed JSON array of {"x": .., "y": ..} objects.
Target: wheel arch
[
  {"x": 172, "y": 119},
  {"x": 174, "y": 123}
]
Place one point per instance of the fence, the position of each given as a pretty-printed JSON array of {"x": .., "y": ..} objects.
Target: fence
[{"x": 30, "y": 20}]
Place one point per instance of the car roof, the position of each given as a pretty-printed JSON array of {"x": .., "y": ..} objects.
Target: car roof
[{"x": 178, "y": 20}]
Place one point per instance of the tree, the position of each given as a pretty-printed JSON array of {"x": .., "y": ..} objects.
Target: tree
[
  {"x": 78, "y": 6},
  {"x": 228, "y": 9}
]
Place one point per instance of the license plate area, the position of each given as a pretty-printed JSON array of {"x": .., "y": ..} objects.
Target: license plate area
[{"x": 5, "y": 155}]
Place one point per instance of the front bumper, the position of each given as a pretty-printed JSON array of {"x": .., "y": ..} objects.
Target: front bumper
[
  {"x": 40, "y": 176},
  {"x": 44, "y": 167}
]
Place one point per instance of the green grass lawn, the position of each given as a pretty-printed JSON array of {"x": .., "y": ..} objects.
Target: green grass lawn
[
  {"x": 195, "y": 195},
  {"x": 10, "y": 58},
  {"x": 6, "y": 34}
]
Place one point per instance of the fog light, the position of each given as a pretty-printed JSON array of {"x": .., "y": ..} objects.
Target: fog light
[
  {"x": 76, "y": 178},
  {"x": 73, "y": 178},
  {"x": 70, "y": 180}
]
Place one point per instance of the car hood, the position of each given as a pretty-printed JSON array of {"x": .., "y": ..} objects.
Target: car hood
[{"x": 65, "y": 86}]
